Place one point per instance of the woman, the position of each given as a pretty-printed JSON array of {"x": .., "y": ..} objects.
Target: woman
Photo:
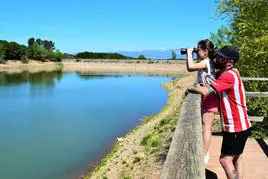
[{"x": 206, "y": 74}]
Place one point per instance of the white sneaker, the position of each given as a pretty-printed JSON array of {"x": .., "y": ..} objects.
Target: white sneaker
[{"x": 206, "y": 158}]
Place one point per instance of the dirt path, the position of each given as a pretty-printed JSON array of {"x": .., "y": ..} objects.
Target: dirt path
[{"x": 255, "y": 161}]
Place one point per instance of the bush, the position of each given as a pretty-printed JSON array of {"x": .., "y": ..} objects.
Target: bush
[
  {"x": 141, "y": 57},
  {"x": 152, "y": 140},
  {"x": 14, "y": 51},
  {"x": 2, "y": 61},
  {"x": 24, "y": 59},
  {"x": 58, "y": 55},
  {"x": 259, "y": 129}
]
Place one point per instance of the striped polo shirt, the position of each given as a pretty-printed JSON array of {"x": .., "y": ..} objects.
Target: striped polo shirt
[{"x": 231, "y": 90}]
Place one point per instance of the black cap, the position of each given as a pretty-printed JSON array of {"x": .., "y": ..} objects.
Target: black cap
[{"x": 229, "y": 52}]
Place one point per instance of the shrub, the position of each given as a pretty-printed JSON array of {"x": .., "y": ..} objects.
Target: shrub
[
  {"x": 141, "y": 57},
  {"x": 152, "y": 140},
  {"x": 2, "y": 61},
  {"x": 24, "y": 59}
]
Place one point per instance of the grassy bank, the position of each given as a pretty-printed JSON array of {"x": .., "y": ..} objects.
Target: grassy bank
[{"x": 142, "y": 152}]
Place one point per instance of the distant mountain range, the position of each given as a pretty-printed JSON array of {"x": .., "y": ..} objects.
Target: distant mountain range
[{"x": 152, "y": 54}]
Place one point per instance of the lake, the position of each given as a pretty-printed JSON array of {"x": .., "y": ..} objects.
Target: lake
[{"x": 54, "y": 125}]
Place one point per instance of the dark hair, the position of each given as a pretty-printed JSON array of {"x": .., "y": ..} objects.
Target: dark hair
[{"x": 207, "y": 44}]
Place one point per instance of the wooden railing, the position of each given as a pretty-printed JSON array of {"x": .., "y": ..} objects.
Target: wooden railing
[
  {"x": 185, "y": 158},
  {"x": 253, "y": 79},
  {"x": 256, "y": 94}
]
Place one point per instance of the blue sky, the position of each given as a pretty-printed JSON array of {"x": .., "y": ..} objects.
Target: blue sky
[{"x": 109, "y": 25}]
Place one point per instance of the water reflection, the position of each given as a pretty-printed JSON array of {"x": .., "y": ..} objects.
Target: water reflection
[
  {"x": 37, "y": 78},
  {"x": 100, "y": 75},
  {"x": 48, "y": 78}
]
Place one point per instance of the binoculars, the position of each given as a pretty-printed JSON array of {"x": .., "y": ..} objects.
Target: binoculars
[{"x": 184, "y": 51}]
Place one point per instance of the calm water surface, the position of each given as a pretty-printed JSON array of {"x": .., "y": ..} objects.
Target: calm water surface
[{"x": 53, "y": 125}]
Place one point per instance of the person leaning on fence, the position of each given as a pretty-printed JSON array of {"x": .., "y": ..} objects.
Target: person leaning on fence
[
  {"x": 235, "y": 121},
  {"x": 206, "y": 74}
]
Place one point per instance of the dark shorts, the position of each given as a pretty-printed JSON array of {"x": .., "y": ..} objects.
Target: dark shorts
[{"x": 234, "y": 143}]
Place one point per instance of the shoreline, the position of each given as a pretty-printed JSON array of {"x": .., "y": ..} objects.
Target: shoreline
[
  {"x": 113, "y": 66},
  {"x": 145, "y": 66},
  {"x": 129, "y": 157}
]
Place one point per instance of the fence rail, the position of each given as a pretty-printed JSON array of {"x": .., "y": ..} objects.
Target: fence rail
[
  {"x": 254, "y": 79},
  {"x": 185, "y": 156},
  {"x": 257, "y": 94}
]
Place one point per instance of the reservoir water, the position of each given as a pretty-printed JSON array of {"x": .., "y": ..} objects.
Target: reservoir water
[{"x": 53, "y": 125}]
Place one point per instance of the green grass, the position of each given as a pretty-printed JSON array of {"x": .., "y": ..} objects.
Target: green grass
[{"x": 124, "y": 175}]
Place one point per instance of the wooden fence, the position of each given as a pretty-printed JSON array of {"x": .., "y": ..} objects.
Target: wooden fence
[
  {"x": 185, "y": 158},
  {"x": 255, "y": 94}
]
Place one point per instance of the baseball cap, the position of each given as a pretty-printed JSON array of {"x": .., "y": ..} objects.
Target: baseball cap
[{"x": 229, "y": 52}]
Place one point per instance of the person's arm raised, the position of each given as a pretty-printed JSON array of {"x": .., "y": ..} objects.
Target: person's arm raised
[{"x": 191, "y": 65}]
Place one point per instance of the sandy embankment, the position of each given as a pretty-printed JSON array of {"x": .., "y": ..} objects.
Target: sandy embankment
[
  {"x": 158, "y": 67},
  {"x": 116, "y": 66},
  {"x": 15, "y": 66}
]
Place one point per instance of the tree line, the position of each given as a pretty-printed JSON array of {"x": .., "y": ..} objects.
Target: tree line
[
  {"x": 95, "y": 55},
  {"x": 247, "y": 29},
  {"x": 37, "y": 49},
  {"x": 44, "y": 50}
]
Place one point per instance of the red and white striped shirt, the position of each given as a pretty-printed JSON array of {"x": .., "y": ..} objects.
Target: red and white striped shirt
[{"x": 232, "y": 101}]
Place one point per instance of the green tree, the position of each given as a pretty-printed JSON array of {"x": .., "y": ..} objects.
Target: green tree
[
  {"x": 52, "y": 45},
  {"x": 31, "y": 42},
  {"x": 141, "y": 57},
  {"x": 48, "y": 44},
  {"x": 2, "y": 50},
  {"x": 57, "y": 55},
  {"x": 248, "y": 25},
  {"x": 38, "y": 52},
  {"x": 173, "y": 55},
  {"x": 15, "y": 51},
  {"x": 39, "y": 42},
  {"x": 222, "y": 37},
  {"x": 248, "y": 22},
  {"x": 2, "y": 53},
  {"x": 30, "y": 53},
  {"x": 92, "y": 55}
]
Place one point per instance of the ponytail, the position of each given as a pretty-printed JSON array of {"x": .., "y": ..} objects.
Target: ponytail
[{"x": 207, "y": 44}]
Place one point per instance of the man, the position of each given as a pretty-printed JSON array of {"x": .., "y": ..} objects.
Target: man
[{"x": 235, "y": 122}]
